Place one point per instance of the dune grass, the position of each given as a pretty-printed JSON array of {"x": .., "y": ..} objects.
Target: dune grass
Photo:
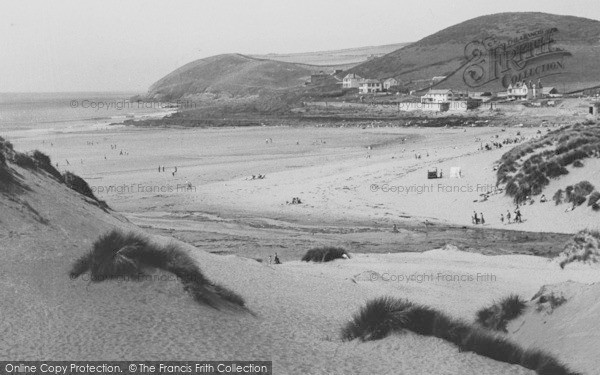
[
  {"x": 118, "y": 254},
  {"x": 584, "y": 247},
  {"x": 527, "y": 168},
  {"x": 383, "y": 316},
  {"x": 325, "y": 254},
  {"x": 497, "y": 316},
  {"x": 78, "y": 184}
]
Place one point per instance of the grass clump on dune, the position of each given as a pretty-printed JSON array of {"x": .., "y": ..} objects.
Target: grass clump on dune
[
  {"x": 383, "y": 316},
  {"x": 78, "y": 184},
  {"x": 117, "y": 254},
  {"x": 325, "y": 254},
  {"x": 497, "y": 316},
  {"x": 584, "y": 247}
]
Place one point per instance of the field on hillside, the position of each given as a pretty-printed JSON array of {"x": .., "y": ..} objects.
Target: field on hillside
[{"x": 339, "y": 59}]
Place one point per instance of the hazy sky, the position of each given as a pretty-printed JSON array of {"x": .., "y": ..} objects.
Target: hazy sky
[{"x": 48, "y": 46}]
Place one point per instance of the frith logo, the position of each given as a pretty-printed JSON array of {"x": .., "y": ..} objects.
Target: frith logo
[{"x": 532, "y": 55}]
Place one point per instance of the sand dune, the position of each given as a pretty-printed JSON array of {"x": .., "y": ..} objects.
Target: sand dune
[{"x": 299, "y": 307}]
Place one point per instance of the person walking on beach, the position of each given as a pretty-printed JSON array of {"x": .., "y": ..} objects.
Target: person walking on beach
[
  {"x": 482, "y": 219},
  {"x": 507, "y": 217},
  {"x": 502, "y": 218},
  {"x": 475, "y": 218},
  {"x": 277, "y": 261}
]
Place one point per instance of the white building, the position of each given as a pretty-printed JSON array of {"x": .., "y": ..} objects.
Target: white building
[
  {"x": 351, "y": 81},
  {"x": 437, "y": 96},
  {"x": 368, "y": 86},
  {"x": 389, "y": 83}
]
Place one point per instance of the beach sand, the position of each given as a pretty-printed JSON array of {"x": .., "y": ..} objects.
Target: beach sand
[{"x": 299, "y": 307}]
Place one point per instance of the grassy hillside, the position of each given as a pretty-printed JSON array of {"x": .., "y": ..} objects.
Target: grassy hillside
[
  {"x": 228, "y": 75},
  {"x": 443, "y": 53}
]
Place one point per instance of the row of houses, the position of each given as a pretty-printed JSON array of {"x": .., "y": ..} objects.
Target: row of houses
[
  {"x": 367, "y": 85},
  {"x": 519, "y": 91}
]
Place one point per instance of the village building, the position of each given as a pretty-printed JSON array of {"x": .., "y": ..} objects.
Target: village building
[
  {"x": 369, "y": 86},
  {"x": 351, "y": 81},
  {"x": 550, "y": 92},
  {"x": 389, "y": 83},
  {"x": 437, "y": 96}
]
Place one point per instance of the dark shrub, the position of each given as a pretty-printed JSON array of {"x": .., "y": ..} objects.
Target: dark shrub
[
  {"x": 117, "y": 254},
  {"x": 497, "y": 316},
  {"x": 43, "y": 162},
  {"x": 578, "y": 164},
  {"x": 553, "y": 169},
  {"x": 79, "y": 185},
  {"x": 24, "y": 161},
  {"x": 325, "y": 254},
  {"x": 558, "y": 197}
]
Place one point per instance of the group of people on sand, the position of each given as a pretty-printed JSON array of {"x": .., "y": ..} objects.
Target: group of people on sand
[
  {"x": 162, "y": 169},
  {"x": 259, "y": 177},
  {"x": 478, "y": 219},
  {"x": 518, "y": 218},
  {"x": 295, "y": 200},
  {"x": 274, "y": 260}
]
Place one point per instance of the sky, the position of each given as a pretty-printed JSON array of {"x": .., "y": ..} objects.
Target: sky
[{"x": 109, "y": 45}]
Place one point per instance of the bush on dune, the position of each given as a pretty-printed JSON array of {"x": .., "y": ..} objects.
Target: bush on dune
[
  {"x": 497, "y": 316},
  {"x": 325, "y": 254},
  {"x": 43, "y": 162},
  {"x": 583, "y": 247},
  {"x": 78, "y": 184},
  {"x": 117, "y": 254},
  {"x": 383, "y": 316}
]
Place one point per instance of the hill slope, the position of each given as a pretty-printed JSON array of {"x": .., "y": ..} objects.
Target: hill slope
[
  {"x": 445, "y": 53},
  {"x": 229, "y": 75}
]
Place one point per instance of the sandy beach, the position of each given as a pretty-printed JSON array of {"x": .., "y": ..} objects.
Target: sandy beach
[
  {"x": 342, "y": 175},
  {"x": 233, "y": 220}
]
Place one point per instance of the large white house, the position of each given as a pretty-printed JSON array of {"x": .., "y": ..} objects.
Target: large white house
[
  {"x": 351, "y": 81},
  {"x": 368, "y": 86},
  {"x": 437, "y": 96},
  {"x": 389, "y": 83}
]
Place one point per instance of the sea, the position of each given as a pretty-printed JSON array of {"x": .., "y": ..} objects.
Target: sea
[{"x": 72, "y": 112}]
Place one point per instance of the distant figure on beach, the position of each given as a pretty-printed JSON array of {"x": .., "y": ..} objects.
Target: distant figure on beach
[
  {"x": 507, "y": 217},
  {"x": 277, "y": 261},
  {"x": 543, "y": 198},
  {"x": 159, "y": 169},
  {"x": 163, "y": 168},
  {"x": 482, "y": 219},
  {"x": 475, "y": 218},
  {"x": 270, "y": 259},
  {"x": 502, "y": 218},
  {"x": 395, "y": 229}
]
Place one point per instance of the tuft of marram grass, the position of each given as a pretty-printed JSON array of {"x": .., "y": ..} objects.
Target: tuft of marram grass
[
  {"x": 383, "y": 316},
  {"x": 497, "y": 316},
  {"x": 118, "y": 254},
  {"x": 325, "y": 254}
]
